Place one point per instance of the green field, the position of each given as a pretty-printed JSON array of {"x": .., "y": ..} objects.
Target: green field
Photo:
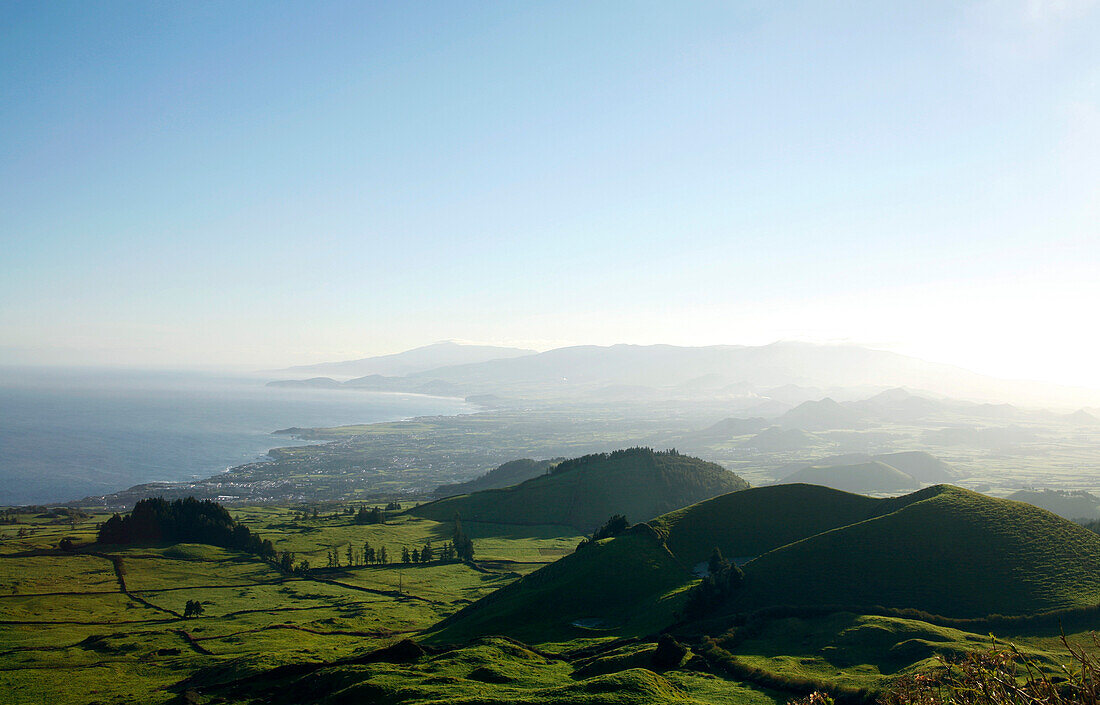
[{"x": 534, "y": 620}]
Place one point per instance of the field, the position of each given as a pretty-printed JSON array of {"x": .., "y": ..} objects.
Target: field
[
  {"x": 107, "y": 627},
  {"x": 104, "y": 624}
]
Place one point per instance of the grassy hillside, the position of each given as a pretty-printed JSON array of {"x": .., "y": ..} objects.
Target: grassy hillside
[
  {"x": 757, "y": 520},
  {"x": 584, "y": 492},
  {"x": 506, "y": 475},
  {"x": 601, "y": 585},
  {"x": 920, "y": 465},
  {"x": 873, "y": 476},
  {"x": 950, "y": 552}
]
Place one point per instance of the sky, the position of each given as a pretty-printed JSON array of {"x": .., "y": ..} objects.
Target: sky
[{"x": 266, "y": 184}]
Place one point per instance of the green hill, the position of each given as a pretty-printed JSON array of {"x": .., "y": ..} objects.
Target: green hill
[
  {"x": 511, "y": 473},
  {"x": 943, "y": 550},
  {"x": 748, "y": 523},
  {"x": 1071, "y": 505},
  {"x": 873, "y": 476},
  {"x": 600, "y": 587},
  {"x": 584, "y": 492},
  {"x": 920, "y": 465}
]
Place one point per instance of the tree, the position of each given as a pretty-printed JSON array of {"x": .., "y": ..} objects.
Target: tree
[
  {"x": 406, "y": 557},
  {"x": 463, "y": 544},
  {"x": 382, "y": 558},
  {"x": 286, "y": 562},
  {"x": 193, "y": 608},
  {"x": 351, "y": 556},
  {"x": 303, "y": 568},
  {"x": 415, "y": 556},
  {"x": 716, "y": 563},
  {"x": 427, "y": 553}
]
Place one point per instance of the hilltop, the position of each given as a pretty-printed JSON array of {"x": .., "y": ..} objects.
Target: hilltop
[
  {"x": 942, "y": 550},
  {"x": 427, "y": 357},
  {"x": 872, "y": 476},
  {"x": 584, "y": 492},
  {"x": 918, "y": 464},
  {"x": 822, "y": 415},
  {"x": 511, "y": 473}
]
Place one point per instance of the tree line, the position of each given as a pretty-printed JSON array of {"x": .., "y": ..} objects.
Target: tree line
[{"x": 156, "y": 520}]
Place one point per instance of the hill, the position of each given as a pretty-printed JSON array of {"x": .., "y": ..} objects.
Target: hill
[
  {"x": 897, "y": 406},
  {"x": 428, "y": 357},
  {"x": 746, "y": 524},
  {"x": 511, "y": 473},
  {"x": 822, "y": 415},
  {"x": 727, "y": 429},
  {"x": 918, "y": 464},
  {"x": 1071, "y": 505},
  {"x": 872, "y": 476},
  {"x": 584, "y": 492},
  {"x": 943, "y": 550},
  {"x": 780, "y": 439},
  {"x": 600, "y": 587}
]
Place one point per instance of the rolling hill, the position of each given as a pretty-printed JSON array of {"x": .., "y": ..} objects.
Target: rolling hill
[
  {"x": 822, "y": 415},
  {"x": 427, "y": 357},
  {"x": 943, "y": 550},
  {"x": 918, "y": 464},
  {"x": 872, "y": 476},
  {"x": 782, "y": 439},
  {"x": 1071, "y": 505},
  {"x": 511, "y": 473},
  {"x": 584, "y": 492}
]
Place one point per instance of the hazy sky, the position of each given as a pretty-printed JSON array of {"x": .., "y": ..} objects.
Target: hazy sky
[{"x": 274, "y": 183}]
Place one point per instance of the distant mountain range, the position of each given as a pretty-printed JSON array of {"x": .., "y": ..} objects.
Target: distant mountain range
[
  {"x": 763, "y": 380},
  {"x": 428, "y": 357}
]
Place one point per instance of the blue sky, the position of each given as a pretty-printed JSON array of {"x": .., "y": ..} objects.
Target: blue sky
[{"x": 264, "y": 184}]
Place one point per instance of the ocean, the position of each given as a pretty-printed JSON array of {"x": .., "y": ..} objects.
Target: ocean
[{"x": 66, "y": 434}]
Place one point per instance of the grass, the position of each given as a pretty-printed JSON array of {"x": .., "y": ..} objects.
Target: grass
[
  {"x": 951, "y": 552},
  {"x": 757, "y": 520},
  {"x": 638, "y": 483},
  {"x": 93, "y": 643},
  {"x": 628, "y": 585},
  {"x": 485, "y": 672}
]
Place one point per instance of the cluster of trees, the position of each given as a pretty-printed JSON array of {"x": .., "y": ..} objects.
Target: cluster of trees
[
  {"x": 193, "y": 608},
  {"x": 156, "y": 520},
  {"x": 614, "y": 526},
  {"x": 637, "y": 451},
  {"x": 369, "y": 555},
  {"x": 723, "y": 580},
  {"x": 462, "y": 544},
  {"x": 370, "y": 516}
]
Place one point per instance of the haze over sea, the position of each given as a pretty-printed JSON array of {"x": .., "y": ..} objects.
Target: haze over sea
[{"x": 68, "y": 433}]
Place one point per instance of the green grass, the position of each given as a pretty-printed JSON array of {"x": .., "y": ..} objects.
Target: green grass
[
  {"x": 951, "y": 552},
  {"x": 95, "y": 644},
  {"x": 638, "y": 483},
  {"x": 485, "y": 672},
  {"x": 757, "y": 520},
  {"x": 631, "y": 584}
]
